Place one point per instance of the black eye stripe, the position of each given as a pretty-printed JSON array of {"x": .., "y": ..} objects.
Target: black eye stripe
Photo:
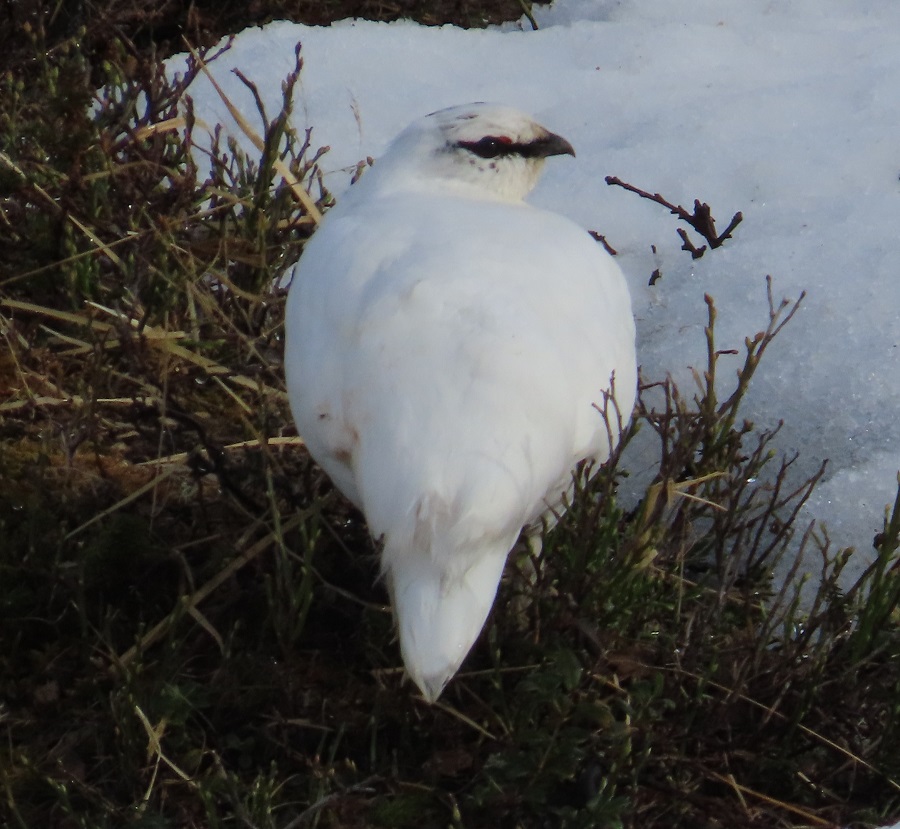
[
  {"x": 490, "y": 147},
  {"x": 500, "y": 146},
  {"x": 494, "y": 147}
]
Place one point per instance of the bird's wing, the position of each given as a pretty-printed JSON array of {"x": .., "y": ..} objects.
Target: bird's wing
[
  {"x": 445, "y": 360},
  {"x": 455, "y": 369}
]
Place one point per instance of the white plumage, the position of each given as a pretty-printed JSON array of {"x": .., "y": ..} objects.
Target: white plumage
[{"x": 448, "y": 347}]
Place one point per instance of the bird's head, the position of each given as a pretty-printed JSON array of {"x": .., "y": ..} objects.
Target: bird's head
[{"x": 485, "y": 150}]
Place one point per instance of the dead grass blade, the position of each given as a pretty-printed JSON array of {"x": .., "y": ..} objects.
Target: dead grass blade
[
  {"x": 148, "y": 487},
  {"x": 159, "y": 338},
  {"x": 821, "y": 738},
  {"x": 189, "y": 602},
  {"x": 742, "y": 790},
  {"x": 181, "y": 457},
  {"x": 54, "y": 313},
  {"x": 154, "y": 749}
]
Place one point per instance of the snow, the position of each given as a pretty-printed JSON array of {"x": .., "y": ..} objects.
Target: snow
[{"x": 785, "y": 111}]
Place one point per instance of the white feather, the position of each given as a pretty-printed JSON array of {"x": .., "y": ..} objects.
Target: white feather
[{"x": 448, "y": 347}]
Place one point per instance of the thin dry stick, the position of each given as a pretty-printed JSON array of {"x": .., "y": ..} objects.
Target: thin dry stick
[
  {"x": 53, "y": 313},
  {"x": 189, "y": 602},
  {"x": 151, "y": 484},
  {"x": 154, "y": 748},
  {"x": 181, "y": 457},
  {"x": 99, "y": 243},
  {"x": 742, "y": 790},
  {"x": 772, "y": 712},
  {"x": 159, "y": 338},
  {"x": 313, "y": 811},
  {"x": 461, "y": 717}
]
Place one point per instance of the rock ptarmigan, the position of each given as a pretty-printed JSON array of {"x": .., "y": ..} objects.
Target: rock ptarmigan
[{"x": 449, "y": 349}]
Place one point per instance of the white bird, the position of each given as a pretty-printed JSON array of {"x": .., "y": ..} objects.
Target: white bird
[{"x": 449, "y": 349}]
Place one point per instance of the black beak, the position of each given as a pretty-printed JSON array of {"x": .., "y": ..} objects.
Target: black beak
[{"x": 550, "y": 144}]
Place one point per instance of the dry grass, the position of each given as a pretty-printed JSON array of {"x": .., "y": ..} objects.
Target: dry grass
[{"x": 192, "y": 631}]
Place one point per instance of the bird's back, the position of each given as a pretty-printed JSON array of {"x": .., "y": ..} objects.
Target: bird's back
[{"x": 457, "y": 349}]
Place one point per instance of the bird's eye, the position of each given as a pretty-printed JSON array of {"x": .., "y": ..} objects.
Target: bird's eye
[{"x": 488, "y": 147}]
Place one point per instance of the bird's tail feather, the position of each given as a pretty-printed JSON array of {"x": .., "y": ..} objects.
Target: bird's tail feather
[{"x": 440, "y": 612}]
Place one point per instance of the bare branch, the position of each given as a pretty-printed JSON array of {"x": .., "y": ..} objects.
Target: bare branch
[{"x": 701, "y": 219}]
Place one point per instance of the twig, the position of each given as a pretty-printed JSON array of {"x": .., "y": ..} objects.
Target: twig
[
  {"x": 320, "y": 804},
  {"x": 689, "y": 246},
  {"x": 599, "y": 237},
  {"x": 296, "y": 186},
  {"x": 770, "y": 711},
  {"x": 741, "y": 790},
  {"x": 187, "y": 603},
  {"x": 701, "y": 219}
]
